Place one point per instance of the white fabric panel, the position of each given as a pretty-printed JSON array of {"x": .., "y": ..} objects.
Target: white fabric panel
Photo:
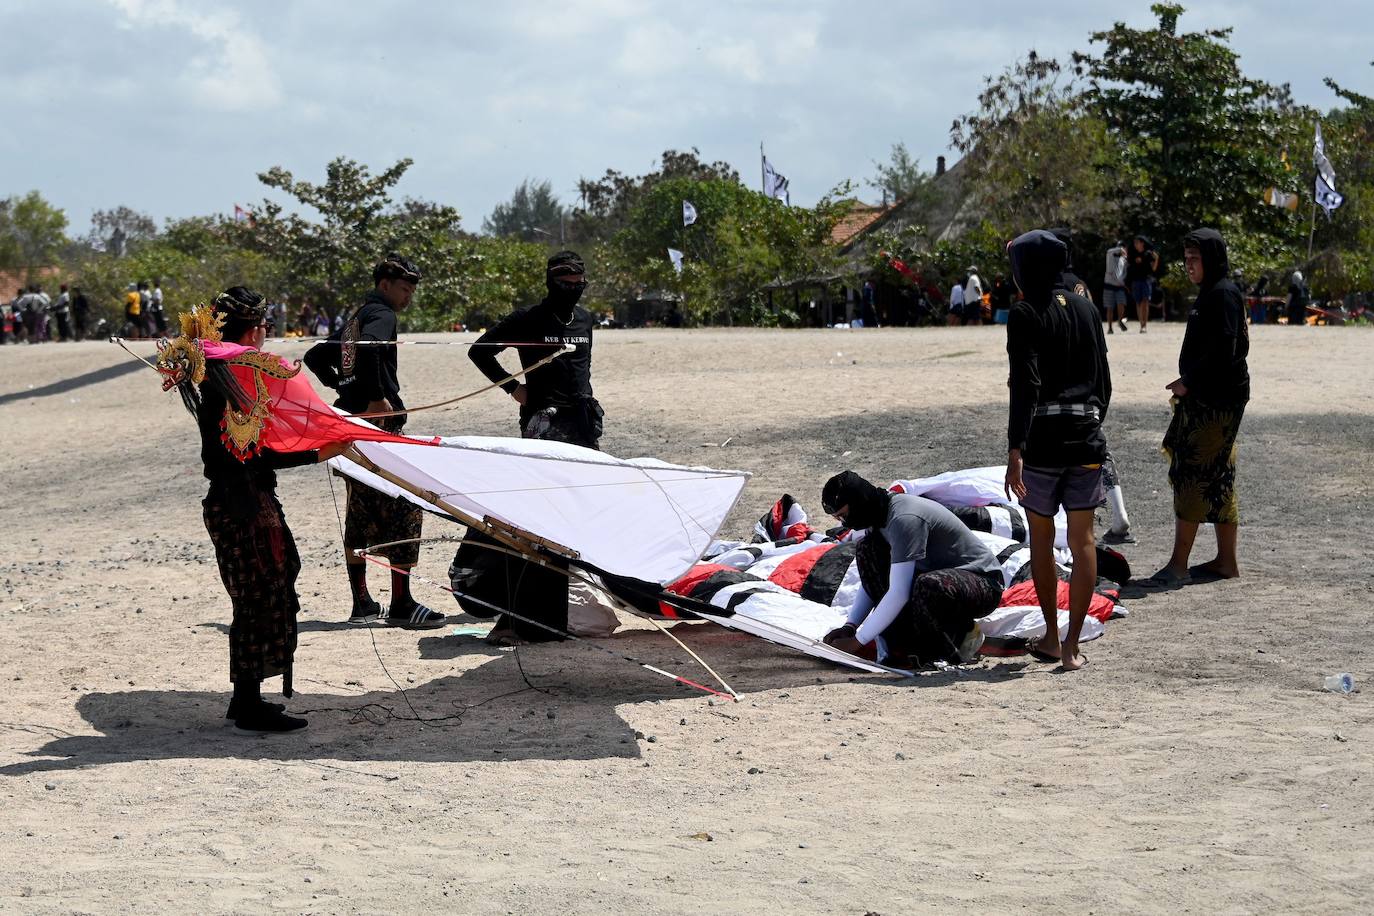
[
  {"x": 642, "y": 518},
  {"x": 970, "y": 487},
  {"x": 1027, "y": 622}
]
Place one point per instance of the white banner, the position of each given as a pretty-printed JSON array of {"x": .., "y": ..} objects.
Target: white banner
[
  {"x": 676, "y": 257},
  {"x": 689, "y": 213}
]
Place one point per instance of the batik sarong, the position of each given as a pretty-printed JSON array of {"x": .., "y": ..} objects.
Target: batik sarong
[{"x": 1201, "y": 446}]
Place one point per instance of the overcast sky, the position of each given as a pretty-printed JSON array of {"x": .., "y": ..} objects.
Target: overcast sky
[{"x": 173, "y": 106}]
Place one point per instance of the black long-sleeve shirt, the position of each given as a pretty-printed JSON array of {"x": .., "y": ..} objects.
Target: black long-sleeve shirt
[
  {"x": 1058, "y": 354},
  {"x": 566, "y": 380},
  {"x": 367, "y": 373},
  {"x": 222, "y": 469},
  {"x": 1216, "y": 345}
]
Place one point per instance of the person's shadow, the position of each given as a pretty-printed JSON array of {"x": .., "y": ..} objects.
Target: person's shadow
[{"x": 553, "y": 701}]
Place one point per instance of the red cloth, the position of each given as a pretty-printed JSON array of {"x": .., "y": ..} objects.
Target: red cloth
[
  {"x": 1023, "y": 594},
  {"x": 299, "y": 420},
  {"x": 791, "y": 573},
  {"x": 684, "y": 586}
]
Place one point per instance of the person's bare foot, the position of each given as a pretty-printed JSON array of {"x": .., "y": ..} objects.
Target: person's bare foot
[
  {"x": 1214, "y": 567},
  {"x": 1072, "y": 660},
  {"x": 1043, "y": 651},
  {"x": 504, "y": 638}
]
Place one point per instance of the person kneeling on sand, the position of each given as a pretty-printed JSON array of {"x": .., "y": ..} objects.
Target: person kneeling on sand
[
  {"x": 1060, "y": 388},
  {"x": 926, "y": 578}
]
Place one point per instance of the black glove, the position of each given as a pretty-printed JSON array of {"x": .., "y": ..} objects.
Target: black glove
[{"x": 846, "y": 631}]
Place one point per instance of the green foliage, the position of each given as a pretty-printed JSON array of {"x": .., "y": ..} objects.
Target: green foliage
[
  {"x": 533, "y": 214},
  {"x": 1036, "y": 156},
  {"x": 118, "y": 229},
  {"x": 32, "y": 232},
  {"x": 741, "y": 243},
  {"x": 901, "y": 178},
  {"x": 1198, "y": 140},
  {"x": 606, "y": 203}
]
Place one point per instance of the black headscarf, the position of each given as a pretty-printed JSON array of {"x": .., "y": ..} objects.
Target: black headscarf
[
  {"x": 396, "y": 267},
  {"x": 241, "y": 309},
  {"x": 1037, "y": 260},
  {"x": 563, "y": 293},
  {"x": 1215, "y": 264},
  {"x": 868, "y": 504}
]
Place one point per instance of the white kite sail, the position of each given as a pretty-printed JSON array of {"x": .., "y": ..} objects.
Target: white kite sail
[{"x": 643, "y": 518}]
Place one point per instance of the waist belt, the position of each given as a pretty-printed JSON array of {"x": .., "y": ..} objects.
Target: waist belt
[{"x": 1056, "y": 409}]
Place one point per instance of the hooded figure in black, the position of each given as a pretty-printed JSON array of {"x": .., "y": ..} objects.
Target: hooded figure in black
[
  {"x": 1058, "y": 356},
  {"x": 1209, "y": 400},
  {"x": 1212, "y": 364},
  {"x": 556, "y": 399},
  {"x": 1060, "y": 389}
]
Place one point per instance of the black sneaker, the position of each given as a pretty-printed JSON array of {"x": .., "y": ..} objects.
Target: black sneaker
[
  {"x": 233, "y": 712},
  {"x": 365, "y": 612},
  {"x": 267, "y": 720},
  {"x": 417, "y": 617}
]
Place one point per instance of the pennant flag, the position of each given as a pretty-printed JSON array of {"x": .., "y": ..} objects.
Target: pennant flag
[
  {"x": 676, "y": 257},
  {"x": 1325, "y": 185},
  {"x": 240, "y": 214},
  {"x": 1282, "y": 199},
  {"x": 689, "y": 213},
  {"x": 774, "y": 183}
]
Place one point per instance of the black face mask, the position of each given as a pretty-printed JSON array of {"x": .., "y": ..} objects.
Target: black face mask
[
  {"x": 563, "y": 297},
  {"x": 868, "y": 505}
]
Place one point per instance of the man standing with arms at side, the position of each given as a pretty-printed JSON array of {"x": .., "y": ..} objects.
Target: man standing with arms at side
[
  {"x": 556, "y": 399},
  {"x": 362, "y": 369},
  {"x": 1060, "y": 389},
  {"x": 1114, "y": 289}
]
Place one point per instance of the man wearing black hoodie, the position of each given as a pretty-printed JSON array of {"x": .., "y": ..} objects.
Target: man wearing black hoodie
[
  {"x": 556, "y": 399},
  {"x": 1060, "y": 389},
  {"x": 1209, "y": 398}
]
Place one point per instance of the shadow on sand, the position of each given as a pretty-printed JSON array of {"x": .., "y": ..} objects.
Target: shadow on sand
[
  {"x": 94, "y": 377},
  {"x": 498, "y": 710}
]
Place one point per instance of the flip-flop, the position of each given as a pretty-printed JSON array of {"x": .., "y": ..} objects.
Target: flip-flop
[
  {"x": 1201, "y": 575},
  {"x": 1162, "y": 579},
  {"x": 1042, "y": 656}
]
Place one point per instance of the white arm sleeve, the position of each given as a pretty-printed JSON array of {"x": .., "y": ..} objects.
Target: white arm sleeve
[
  {"x": 898, "y": 594},
  {"x": 862, "y": 605}
]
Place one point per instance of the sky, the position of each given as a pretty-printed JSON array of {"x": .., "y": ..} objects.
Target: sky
[{"x": 172, "y": 107}]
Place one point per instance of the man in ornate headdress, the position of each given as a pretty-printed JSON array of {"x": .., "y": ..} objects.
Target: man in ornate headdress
[
  {"x": 208, "y": 364},
  {"x": 357, "y": 364}
]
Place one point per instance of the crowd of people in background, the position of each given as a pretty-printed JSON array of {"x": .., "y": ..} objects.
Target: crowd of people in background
[{"x": 33, "y": 316}]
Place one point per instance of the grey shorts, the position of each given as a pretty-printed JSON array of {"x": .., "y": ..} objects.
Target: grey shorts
[
  {"x": 1076, "y": 489},
  {"x": 1112, "y": 296}
]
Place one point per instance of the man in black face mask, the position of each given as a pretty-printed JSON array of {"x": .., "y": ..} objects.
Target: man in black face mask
[
  {"x": 556, "y": 399},
  {"x": 927, "y": 573}
]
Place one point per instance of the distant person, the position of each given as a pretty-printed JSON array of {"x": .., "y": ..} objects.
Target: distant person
[
  {"x": 925, "y": 577},
  {"x": 81, "y": 311},
  {"x": 1002, "y": 295},
  {"x": 133, "y": 310},
  {"x": 1114, "y": 295},
  {"x": 145, "y": 302},
  {"x": 973, "y": 297},
  {"x": 956, "y": 304},
  {"x": 1142, "y": 263},
  {"x": 36, "y": 306},
  {"x": 157, "y": 318},
  {"x": 1060, "y": 388},
  {"x": 62, "y": 312},
  {"x": 1259, "y": 310},
  {"x": 17, "y": 325},
  {"x": 1298, "y": 298},
  {"x": 1209, "y": 398},
  {"x": 868, "y": 314}
]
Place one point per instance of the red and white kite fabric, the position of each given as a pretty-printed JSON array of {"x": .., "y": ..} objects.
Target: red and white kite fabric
[{"x": 644, "y": 519}]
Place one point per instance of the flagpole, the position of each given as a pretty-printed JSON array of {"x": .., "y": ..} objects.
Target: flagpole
[
  {"x": 763, "y": 174},
  {"x": 1312, "y": 232}
]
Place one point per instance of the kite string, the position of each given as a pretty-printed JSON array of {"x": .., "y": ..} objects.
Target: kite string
[
  {"x": 584, "y": 578},
  {"x": 362, "y": 552}
]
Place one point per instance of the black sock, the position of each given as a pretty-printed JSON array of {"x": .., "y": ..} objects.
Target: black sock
[
  {"x": 247, "y": 694},
  {"x": 400, "y": 589},
  {"x": 357, "y": 581}
]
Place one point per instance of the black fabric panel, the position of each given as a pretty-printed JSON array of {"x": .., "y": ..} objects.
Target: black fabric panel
[
  {"x": 829, "y": 571},
  {"x": 706, "y": 589}
]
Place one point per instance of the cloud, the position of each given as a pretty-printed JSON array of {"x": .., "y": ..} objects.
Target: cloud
[{"x": 232, "y": 72}]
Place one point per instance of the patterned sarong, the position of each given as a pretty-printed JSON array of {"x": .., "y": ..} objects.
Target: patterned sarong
[
  {"x": 1201, "y": 446},
  {"x": 375, "y": 518},
  {"x": 258, "y": 562}
]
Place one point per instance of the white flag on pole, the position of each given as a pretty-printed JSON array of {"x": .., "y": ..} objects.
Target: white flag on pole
[
  {"x": 676, "y": 257},
  {"x": 689, "y": 213},
  {"x": 775, "y": 183},
  {"x": 1325, "y": 185}
]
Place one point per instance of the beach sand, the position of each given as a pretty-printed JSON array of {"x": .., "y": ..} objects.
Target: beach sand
[{"x": 1195, "y": 765}]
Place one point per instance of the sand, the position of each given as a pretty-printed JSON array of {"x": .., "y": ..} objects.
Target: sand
[{"x": 1196, "y": 765}]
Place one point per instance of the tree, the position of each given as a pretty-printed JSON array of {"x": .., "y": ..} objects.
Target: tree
[
  {"x": 32, "y": 231},
  {"x": 115, "y": 230},
  {"x": 1035, "y": 156},
  {"x": 605, "y": 204},
  {"x": 901, "y": 178},
  {"x": 533, "y": 214},
  {"x": 1198, "y": 139}
]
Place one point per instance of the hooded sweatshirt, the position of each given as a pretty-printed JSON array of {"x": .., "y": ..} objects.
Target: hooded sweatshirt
[
  {"x": 1058, "y": 356},
  {"x": 1212, "y": 362}
]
